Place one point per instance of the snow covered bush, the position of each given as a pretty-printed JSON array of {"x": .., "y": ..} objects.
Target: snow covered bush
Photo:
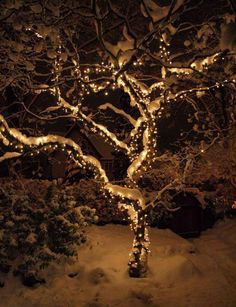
[
  {"x": 34, "y": 232},
  {"x": 159, "y": 217},
  {"x": 88, "y": 192}
]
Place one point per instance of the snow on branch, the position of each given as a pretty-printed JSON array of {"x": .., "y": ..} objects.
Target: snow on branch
[
  {"x": 104, "y": 132},
  {"x": 48, "y": 142},
  {"x": 123, "y": 192},
  {"x": 118, "y": 111},
  {"x": 200, "y": 89},
  {"x": 141, "y": 157},
  {"x": 9, "y": 155}
]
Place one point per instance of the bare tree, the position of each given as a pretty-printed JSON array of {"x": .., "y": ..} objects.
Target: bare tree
[{"x": 55, "y": 54}]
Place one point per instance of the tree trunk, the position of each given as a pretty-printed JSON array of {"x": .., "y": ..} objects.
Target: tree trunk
[{"x": 139, "y": 255}]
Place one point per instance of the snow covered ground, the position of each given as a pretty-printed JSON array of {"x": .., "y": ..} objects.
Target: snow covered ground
[{"x": 193, "y": 273}]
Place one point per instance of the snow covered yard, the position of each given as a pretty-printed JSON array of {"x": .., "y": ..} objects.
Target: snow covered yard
[{"x": 196, "y": 272}]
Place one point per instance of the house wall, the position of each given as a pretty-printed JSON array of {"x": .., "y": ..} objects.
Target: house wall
[
  {"x": 108, "y": 167},
  {"x": 59, "y": 165}
]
